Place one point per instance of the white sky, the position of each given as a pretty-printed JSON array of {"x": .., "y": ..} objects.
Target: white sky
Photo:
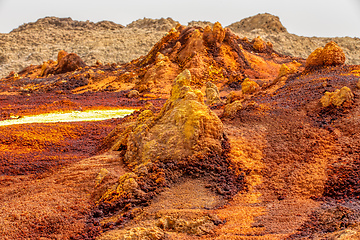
[{"x": 327, "y": 18}]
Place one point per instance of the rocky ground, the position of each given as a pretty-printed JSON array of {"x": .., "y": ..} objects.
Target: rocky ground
[
  {"x": 34, "y": 43},
  {"x": 232, "y": 140}
]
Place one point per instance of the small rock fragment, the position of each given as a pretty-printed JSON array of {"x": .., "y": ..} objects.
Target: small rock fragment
[
  {"x": 232, "y": 108},
  {"x": 284, "y": 70},
  {"x": 259, "y": 44},
  {"x": 233, "y": 96}
]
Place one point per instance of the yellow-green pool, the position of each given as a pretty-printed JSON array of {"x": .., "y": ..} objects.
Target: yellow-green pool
[{"x": 74, "y": 116}]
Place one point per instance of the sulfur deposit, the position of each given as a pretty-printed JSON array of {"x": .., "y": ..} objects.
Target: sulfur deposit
[
  {"x": 185, "y": 126},
  {"x": 337, "y": 98},
  {"x": 184, "y": 134},
  {"x": 330, "y": 55}
]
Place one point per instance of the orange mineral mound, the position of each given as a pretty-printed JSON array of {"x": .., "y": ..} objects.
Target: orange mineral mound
[{"x": 330, "y": 55}]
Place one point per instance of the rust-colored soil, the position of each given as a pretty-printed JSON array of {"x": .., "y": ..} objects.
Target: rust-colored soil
[{"x": 275, "y": 162}]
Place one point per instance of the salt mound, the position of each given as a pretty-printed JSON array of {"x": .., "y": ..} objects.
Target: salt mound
[{"x": 267, "y": 22}]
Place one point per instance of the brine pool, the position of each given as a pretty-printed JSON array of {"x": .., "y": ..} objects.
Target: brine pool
[{"x": 74, "y": 116}]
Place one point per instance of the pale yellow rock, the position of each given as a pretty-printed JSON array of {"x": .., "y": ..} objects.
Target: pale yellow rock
[
  {"x": 100, "y": 177},
  {"x": 232, "y": 108},
  {"x": 212, "y": 94},
  {"x": 326, "y": 99},
  {"x": 141, "y": 170},
  {"x": 288, "y": 69},
  {"x": 197, "y": 226},
  {"x": 140, "y": 233},
  {"x": 342, "y": 96},
  {"x": 191, "y": 222},
  {"x": 183, "y": 79},
  {"x": 346, "y": 234},
  {"x": 337, "y": 98},
  {"x": 248, "y": 86},
  {"x": 284, "y": 70},
  {"x": 185, "y": 128}
]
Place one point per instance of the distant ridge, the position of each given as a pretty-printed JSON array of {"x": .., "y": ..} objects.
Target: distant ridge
[
  {"x": 67, "y": 24},
  {"x": 266, "y": 22}
]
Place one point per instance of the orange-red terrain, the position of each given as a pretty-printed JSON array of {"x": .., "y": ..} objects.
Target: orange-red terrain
[{"x": 230, "y": 140}]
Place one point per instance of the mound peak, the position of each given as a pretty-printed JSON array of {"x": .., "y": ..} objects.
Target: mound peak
[
  {"x": 162, "y": 24},
  {"x": 265, "y": 21}
]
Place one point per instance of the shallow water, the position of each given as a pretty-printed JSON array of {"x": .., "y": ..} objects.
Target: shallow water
[{"x": 75, "y": 116}]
